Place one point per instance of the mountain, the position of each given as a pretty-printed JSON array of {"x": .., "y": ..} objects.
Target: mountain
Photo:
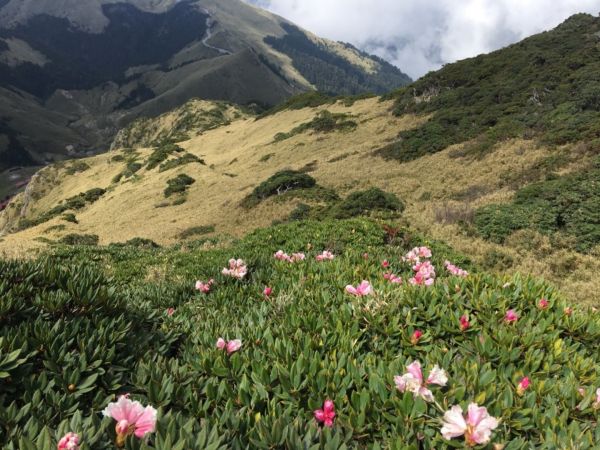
[
  {"x": 74, "y": 72},
  {"x": 496, "y": 155}
]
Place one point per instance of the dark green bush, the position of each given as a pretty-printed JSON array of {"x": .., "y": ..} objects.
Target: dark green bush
[
  {"x": 76, "y": 167},
  {"x": 178, "y": 185},
  {"x": 363, "y": 202},
  {"x": 69, "y": 217},
  {"x": 161, "y": 153},
  {"x": 187, "y": 158},
  {"x": 569, "y": 204},
  {"x": 138, "y": 243},
  {"x": 79, "y": 239},
  {"x": 324, "y": 122},
  {"x": 197, "y": 231},
  {"x": 277, "y": 184}
]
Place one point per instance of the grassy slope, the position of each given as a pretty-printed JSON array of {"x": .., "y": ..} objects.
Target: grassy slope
[{"x": 428, "y": 185}]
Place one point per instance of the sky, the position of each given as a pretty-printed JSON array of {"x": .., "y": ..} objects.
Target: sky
[{"x": 421, "y": 35}]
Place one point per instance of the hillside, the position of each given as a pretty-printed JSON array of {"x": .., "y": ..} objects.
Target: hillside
[
  {"x": 522, "y": 202},
  {"x": 72, "y": 73}
]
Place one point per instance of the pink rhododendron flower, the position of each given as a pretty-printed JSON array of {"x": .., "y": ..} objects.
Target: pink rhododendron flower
[
  {"x": 477, "y": 426},
  {"x": 464, "y": 323},
  {"x": 170, "y": 312},
  {"x": 596, "y": 404},
  {"x": 416, "y": 336},
  {"x": 327, "y": 414},
  {"x": 268, "y": 291},
  {"x": 425, "y": 274},
  {"x": 412, "y": 381},
  {"x": 131, "y": 417},
  {"x": 204, "y": 287},
  {"x": 69, "y": 441},
  {"x": 281, "y": 256},
  {"x": 543, "y": 303},
  {"x": 523, "y": 385},
  {"x": 229, "y": 346},
  {"x": 363, "y": 288},
  {"x": 511, "y": 316},
  {"x": 325, "y": 256},
  {"x": 392, "y": 278},
  {"x": 237, "y": 269},
  {"x": 568, "y": 311},
  {"x": 454, "y": 270},
  {"x": 385, "y": 264},
  {"x": 365, "y": 255},
  {"x": 417, "y": 253},
  {"x": 297, "y": 257}
]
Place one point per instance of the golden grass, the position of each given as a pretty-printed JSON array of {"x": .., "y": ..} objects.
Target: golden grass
[{"x": 232, "y": 154}]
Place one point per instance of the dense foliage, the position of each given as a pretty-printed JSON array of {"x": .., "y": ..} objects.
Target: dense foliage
[
  {"x": 360, "y": 202},
  {"x": 545, "y": 86},
  {"x": 178, "y": 185},
  {"x": 324, "y": 122},
  {"x": 278, "y": 184},
  {"x": 86, "y": 325},
  {"x": 569, "y": 204}
]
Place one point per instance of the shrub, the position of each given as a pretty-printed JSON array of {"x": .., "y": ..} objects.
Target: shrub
[
  {"x": 568, "y": 204},
  {"x": 161, "y": 153},
  {"x": 279, "y": 183},
  {"x": 324, "y": 122},
  {"x": 69, "y": 217},
  {"x": 178, "y": 185},
  {"x": 188, "y": 158},
  {"x": 197, "y": 231},
  {"x": 76, "y": 167},
  {"x": 79, "y": 239},
  {"x": 363, "y": 202},
  {"x": 137, "y": 242}
]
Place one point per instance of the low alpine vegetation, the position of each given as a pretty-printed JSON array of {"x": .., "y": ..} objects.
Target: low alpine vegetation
[
  {"x": 324, "y": 122},
  {"x": 318, "y": 350},
  {"x": 278, "y": 184},
  {"x": 178, "y": 185}
]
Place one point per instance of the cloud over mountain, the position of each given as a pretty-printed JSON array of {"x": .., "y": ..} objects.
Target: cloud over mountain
[{"x": 422, "y": 35}]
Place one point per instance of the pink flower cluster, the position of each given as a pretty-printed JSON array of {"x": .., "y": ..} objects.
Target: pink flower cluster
[
  {"x": 476, "y": 426},
  {"x": 362, "y": 289},
  {"x": 412, "y": 380},
  {"x": 325, "y": 256},
  {"x": 281, "y": 256},
  {"x": 131, "y": 417},
  {"x": 69, "y": 441},
  {"x": 511, "y": 316},
  {"x": 392, "y": 278},
  {"x": 424, "y": 274},
  {"x": 596, "y": 404},
  {"x": 237, "y": 269},
  {"x": 229, "y": 346},
  {"x": 204, "y": 287},
  {"x": 326, "y": 414},
  {"x": 523, "y": 385},
  {"x": 454, "y": 270},
  {"x": 416, "y": 254}
]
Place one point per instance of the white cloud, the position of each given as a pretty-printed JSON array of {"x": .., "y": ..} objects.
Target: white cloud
[{"x": 421, "y": 35}]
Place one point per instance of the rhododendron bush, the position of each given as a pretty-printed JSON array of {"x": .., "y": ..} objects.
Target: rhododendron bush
[{"x": 97, "y": 354}]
